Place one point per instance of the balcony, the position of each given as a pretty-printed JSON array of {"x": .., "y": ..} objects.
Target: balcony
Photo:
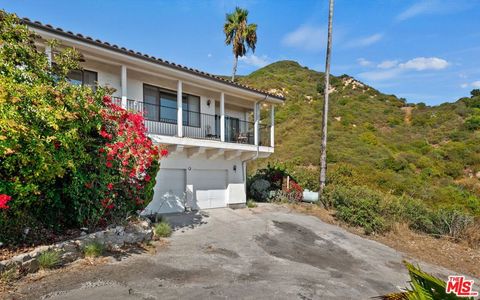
[{"x": 162, "y": 120}]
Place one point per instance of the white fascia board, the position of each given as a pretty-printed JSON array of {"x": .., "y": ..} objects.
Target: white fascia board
[
  {"x": 189, "y": 142},
  {"x": 176, "y": 74}
]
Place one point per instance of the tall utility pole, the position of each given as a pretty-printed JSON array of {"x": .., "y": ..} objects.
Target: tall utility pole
[{"x": 323, "y": 155}]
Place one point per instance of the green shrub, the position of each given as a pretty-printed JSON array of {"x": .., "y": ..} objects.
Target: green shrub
[
  {"x": 9, "y": 275},
  {"x": 359, "y": 206},
  {"x": 93, "y": 249},
  {"x": 49, "y": 259},
  {"x": 259, "y": 190},
  {"x": 251, "y": 203},
  {"x": 417, "y": 215},
  {"x": 451, "y": 222},
  {"x": 473, "y": 123},
  {"x": 307, "y": 177},
  {"x": 162, "y": 229}
]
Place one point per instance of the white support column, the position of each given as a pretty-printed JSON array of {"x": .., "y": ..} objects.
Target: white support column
[
  {"x": 179, "y": 109},
  {"x": 256, "y": 118},
  {"x": 124, "y": 86},
  {"x": 222, "y": 117},
  {"x": 272, "y": 125},
  {"x": 48, "y": 53}
]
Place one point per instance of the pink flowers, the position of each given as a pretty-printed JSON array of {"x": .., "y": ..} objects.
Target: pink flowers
[
  {"x": 4, "y": 200},
  {"x": 105, "y": 134},
  {"x": 128, "y": 153},
  {"x": 164, "y": 152}
]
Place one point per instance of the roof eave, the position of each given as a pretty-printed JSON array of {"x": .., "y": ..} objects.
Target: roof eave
[{"x": 124, "y": 51}]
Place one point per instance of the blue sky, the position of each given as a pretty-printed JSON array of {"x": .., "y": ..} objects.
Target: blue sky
[{"x": 425, "y": 51}]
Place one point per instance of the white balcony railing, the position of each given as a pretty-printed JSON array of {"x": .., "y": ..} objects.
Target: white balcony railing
[{"x": 162, "y": 120}]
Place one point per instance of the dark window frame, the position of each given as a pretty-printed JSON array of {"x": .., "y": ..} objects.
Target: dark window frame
[
  {"x": 185, "y": 106},
  {"x": 82, "y": 71}
]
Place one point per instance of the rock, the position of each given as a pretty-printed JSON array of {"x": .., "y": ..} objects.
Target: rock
[
  {"x": 477, "y": 174},
  {"x": 71, "y": 256},
  {"x": 22, "y": 258},
  {"x": 119, "y": 230},
  {"x": 69, "y": 247},
  {"x": 114, "y": 238},
  {"x": 80, "y": 243},
  {"x": 36, "y": 253},
  {"x": 145, "y": 223},
  {"x": 31, "y": 266},
  {"x": 99, "y": 235}
]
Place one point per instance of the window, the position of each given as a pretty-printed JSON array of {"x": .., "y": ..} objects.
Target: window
[
  {"x": 83, "y": 77},
  {"x": 161, "y": 105}
]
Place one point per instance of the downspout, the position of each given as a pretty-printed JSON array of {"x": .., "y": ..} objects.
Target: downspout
[{"x": 244, "y": 162}]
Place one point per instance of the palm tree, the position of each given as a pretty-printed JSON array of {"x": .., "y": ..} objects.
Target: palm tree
[
  {"x": 238, "y": 33},
  {"x": 323, "y": 155}
]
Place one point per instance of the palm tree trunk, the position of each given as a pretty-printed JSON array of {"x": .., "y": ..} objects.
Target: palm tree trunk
[
  {"x": 235, "y": 62},
  {"x": 323, "y": 155}
]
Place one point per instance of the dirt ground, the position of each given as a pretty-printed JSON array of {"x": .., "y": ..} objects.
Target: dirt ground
[
  {"x": 439, "y": 251},
  {"x": 261, "y": 253}
]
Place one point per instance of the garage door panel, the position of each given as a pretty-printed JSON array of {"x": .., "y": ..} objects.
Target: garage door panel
[
  {"x": 217, "y": 198},
  {"x": 209, "y": 188}
]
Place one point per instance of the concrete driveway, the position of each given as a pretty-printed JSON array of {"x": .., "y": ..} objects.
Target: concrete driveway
[{"x": 267, "y": 252}]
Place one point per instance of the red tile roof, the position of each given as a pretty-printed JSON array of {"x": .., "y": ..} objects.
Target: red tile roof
[{"x": 123, "y": 50}]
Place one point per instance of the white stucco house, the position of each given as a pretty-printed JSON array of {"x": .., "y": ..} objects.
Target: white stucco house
[{"x": 211, "y": 126}]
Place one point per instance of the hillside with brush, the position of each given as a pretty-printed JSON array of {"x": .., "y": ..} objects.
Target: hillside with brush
[{"x": 378, "y": 141}]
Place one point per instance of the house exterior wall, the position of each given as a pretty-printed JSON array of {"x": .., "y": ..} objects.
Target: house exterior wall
[{"x": 194, "y": 158}]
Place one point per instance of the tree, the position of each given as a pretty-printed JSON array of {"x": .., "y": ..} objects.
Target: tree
[
  {"x": 475, "y": 92},
  {"x": 240, "y": 34},
  {"x": 323, "y": 155}
]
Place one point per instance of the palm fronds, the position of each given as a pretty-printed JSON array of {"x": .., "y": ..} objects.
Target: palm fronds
[{"x": 423, "y": 286}]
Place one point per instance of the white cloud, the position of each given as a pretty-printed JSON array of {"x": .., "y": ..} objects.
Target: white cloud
[
  {"x": 254, "y": 60},
  {"x": 307, "y": 37},
  {"x": 431, "y": 7},
  {"x": 387, "y": 64},
  {"x": 392, "y": 68},
  {"x": 416, "y": 9},
  {"x": 475, "y": 85},
  {"x": 365, "y": 41},
  {"x": 209, "y": 55},
  {"x": 425, "y": 63},
  {"x": 380, "y": 75},
  {"x": 363, "y": 62}
]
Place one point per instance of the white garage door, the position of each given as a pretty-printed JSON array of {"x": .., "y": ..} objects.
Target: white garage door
[
  {"x": 209, "y": 188},
  {"x": 169, "y": 192}
]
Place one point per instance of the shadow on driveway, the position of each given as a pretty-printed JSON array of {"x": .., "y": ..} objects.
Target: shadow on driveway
[{"x": 186, "y": 220}]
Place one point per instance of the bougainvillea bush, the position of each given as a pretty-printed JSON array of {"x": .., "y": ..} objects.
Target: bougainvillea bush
[
  {"x": 69, "y": 157},
  {"x": 121, "y": 173}
]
